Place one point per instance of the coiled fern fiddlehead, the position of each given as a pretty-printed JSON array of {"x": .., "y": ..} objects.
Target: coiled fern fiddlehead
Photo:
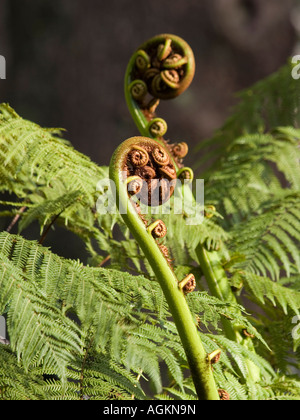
[
  {"x": 144, "y": 168},
  {"x": 130, "y": 181}
]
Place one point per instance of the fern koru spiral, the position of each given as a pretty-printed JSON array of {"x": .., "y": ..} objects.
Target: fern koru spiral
[
  {"x": 161, "y": 68},
  {"x": 145, "y": 170}
]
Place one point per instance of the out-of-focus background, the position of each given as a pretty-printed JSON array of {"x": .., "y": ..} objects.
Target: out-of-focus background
[{"x": 66, "y": 61}]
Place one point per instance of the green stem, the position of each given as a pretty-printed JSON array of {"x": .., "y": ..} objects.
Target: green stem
[
  {"x": 219, "y": 287},
  {"x": 197, "y": 358},
  {"x": 217, "y": 283}
]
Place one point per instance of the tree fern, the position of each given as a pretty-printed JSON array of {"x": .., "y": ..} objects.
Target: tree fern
[{"x": 78, "y": 330}]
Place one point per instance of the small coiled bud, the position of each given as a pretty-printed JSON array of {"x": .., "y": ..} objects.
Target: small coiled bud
[
  {"x": 160, "y": 156},
  {"x": 157, "y": 127},
  {"x": 157, "y": 85},
  {"x": 138, "y": 89},
  {"x": 135, "y": 185},
  {"x": 151, "y": 73},
  {"x": 142, "y": 60},
  {"x": 174, "y": 61},
  {"x": 158, "y": 229},
  {"x": 139, "y": 157},
  {"x": 214, "y": 357},
  {"x": 164, "y": 50},
  {"x": 180, "y": 150},
  {"x": 170, "y": 78},
  {"x": 209, "y": 211},
  {"x": 188, "y": 284},
  {"x": 168, "y": 172},
  {"x": 224, "y": 395},
  {"x": 185, "y": 175}
]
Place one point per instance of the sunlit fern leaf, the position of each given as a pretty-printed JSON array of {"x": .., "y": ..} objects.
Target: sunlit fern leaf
[
  {"x": 262, "y": 288},
  {"x": 42, "y": 157},
  {"x": 270, "y": 240},
  {"x": 104, "y": 377},
  {"x": 43, "y": 170},
  {"x": 232, "y": 385},
  {"x": 240, "y": 353},
  {"x": 48, "y": 209},
  {"x": 252, "y": 172},
  {"x": 103, "y": 300},
  {"x": 33, "y": 335}
]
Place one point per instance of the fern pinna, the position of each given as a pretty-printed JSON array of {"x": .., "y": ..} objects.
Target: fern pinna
[{"x": 79, "y": 330}]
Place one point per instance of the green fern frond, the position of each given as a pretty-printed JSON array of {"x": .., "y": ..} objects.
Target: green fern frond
[
  {"x": 15, "y": 382},
  {"x": 262, "y": 288},
  {"x": 92, "y": 294},
  {"x": 48, "y": 209},
  {"x": 271, "y": 237},
  {"x": 29, "y": 152},
  {"x": 33, "y": 335},
  {"x": 252, "y": 171}
]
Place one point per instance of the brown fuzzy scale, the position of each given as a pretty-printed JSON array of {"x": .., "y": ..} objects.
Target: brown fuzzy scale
[
  {"x": 224, "y": 395},
  {"x": 135, "y": 186},
  {"x": 165, "y": 253}
]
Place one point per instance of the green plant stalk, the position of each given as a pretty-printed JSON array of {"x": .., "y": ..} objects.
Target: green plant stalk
[
  {"x": 219, "y": 287},
  {"x": 197, "y": 357},
  {"x": 218, "y": 284}
]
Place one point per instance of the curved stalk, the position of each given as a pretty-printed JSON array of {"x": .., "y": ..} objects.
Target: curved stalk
[{"x": 197, "y": 358}]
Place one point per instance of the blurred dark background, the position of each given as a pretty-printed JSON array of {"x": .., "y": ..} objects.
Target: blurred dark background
[{"x": 66, "y": 61}]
